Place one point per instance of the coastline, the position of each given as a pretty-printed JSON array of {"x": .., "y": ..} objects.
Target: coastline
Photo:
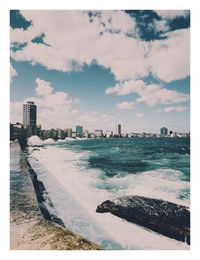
[{"x": 31, "y": 225}]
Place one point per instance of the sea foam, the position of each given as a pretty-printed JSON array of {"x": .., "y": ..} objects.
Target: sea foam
[{"x": 76, "y": 189}]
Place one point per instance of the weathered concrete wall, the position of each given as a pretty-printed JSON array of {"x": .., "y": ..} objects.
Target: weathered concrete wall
[{"x": 29, "y": 230}]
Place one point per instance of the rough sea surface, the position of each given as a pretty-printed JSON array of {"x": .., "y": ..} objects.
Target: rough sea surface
[{"x": 78, "y": 175}]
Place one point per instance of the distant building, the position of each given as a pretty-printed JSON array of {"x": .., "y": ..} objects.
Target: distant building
[
  {"x": 17, "y": 131},
  {"x": 79, "y": 131},
  {"x": 109, "y": 134},
  {"x": 54, "y": 134},
  {"x": 47, "y": 134},
  {"x": 86, "y": 133},
  {"x": 38, "y": 130},
  {"x": 30, "y": 117},
  {"x": 118, "y": 130},
  {"x": 60, "y": 133},
  {"x": 163, "y": 131},
  {"x": 73, "y": 134},
  {"x": 98, "y": 133},
  {"x": 92, "y": 135},
  {"x": 68, "y": 132}
]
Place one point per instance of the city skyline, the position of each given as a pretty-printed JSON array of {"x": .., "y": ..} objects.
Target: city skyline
[
  {"x": 30, "y": 120},
  {"x": 30, "y": 127},
  {"x": 113, "y": 70}
]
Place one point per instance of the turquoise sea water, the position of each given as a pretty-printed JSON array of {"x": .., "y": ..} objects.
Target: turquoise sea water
[
  {"x": 133, "y": 156},
  {"x": 80, "y": 174}
]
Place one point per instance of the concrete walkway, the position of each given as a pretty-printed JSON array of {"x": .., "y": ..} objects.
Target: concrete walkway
[{"x": 28, "y": 229}]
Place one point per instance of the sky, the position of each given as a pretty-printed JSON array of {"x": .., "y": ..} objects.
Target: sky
[{"x": 99, "y": 68}]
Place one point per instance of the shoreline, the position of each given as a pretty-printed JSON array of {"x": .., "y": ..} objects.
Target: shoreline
[{"x": 32, "y": 227}]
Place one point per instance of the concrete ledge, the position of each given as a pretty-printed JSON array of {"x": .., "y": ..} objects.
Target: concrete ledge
[{"x": 29, "y": 230}]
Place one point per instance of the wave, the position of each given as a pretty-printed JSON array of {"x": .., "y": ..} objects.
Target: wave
[
  {"x": 35, "y": 140},
  {"x": 76, "y": 189}
]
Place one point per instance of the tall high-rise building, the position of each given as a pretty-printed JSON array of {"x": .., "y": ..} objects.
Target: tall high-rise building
[
  {"x": 30, "y": 117},
  {"x": 118, "y": 130},
  {"x": 163, "y": 131},
  {"x": 79, "y": 131}
]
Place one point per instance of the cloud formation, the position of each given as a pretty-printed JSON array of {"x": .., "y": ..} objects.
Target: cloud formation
[
  {"x": 172, "y": 13},
  {"x": 43, "y": 87},
  {"x": 169, "y": 59},
  {"x": 71, "y": 39},
  {"x": 88, "y": 118},
  {"x": 150, "y": 94},
  {"x": 54, "y": 108},
  {"x": 125, "y": 105},
  {"x": 109, "y": 38},
  {"x": 13, "y": 72},
  {"x": 177, "y": 108}
]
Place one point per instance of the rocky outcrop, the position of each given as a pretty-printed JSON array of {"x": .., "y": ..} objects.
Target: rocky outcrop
[{"x": 161, "y": 216}]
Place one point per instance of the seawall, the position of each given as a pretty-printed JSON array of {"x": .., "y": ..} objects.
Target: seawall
[{"x": 31, "y": 225}]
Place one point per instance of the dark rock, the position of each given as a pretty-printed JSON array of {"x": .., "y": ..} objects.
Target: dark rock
[
  {"x": 161, "y": 216},
  {"x": 41, "y": 186}
]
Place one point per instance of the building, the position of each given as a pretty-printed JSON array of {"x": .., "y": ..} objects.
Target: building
[
  {"x": 47, "y": 134},
  {"x": 60, "y": 133},
  {"x": 17, "y": 131},
  {"x": 30, "y": 117},
  {"x": 68, "y": 132},
  {"x": 73, "y": 134},
  {"x": 109, "y": 134},
  {"x": 79, "y": 131},
  {"x": 163, "y": 131},
  {"x": 54, "y": 134},
  {"x": 98, "y": 133},
  {"x": 118, "y": 130},
  {"x": 38, "y": 130},
  {"x": 86, "y": 133},
  {"x": 92, "y": 135}
]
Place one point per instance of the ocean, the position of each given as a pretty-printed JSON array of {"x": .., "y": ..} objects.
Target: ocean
[{"x": 78, "y": 175}]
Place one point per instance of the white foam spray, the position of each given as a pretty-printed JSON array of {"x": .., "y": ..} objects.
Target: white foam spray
[{"x": 76, "y": 190}]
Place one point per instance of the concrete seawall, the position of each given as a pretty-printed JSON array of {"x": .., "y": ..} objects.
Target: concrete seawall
[{"x": 29, "y": 229}]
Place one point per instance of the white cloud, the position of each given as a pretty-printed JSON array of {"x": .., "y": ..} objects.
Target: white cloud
[
  {"x": 150, "y": 94},
  {"x": 161, "y": 25},
  {"x": 81, "y": 42},
  {"x": 43, "y": 87},
  {"x": 74, "y": 112},
  {"x": 169, "y": 59},
  {"x": 13, "y": 72},
  {"x": 177, "y": 109},
  {"x": 122, "y": 54},
  {"x": 125, "y": 105},
  {"x": 16, "y": 109},
  {"x": 154, "y": 94},
  {"x": 89, "y": 117},
  {"x": 139, "y": 115},
  {"x": 172, "y": 13},
  {"x": 173, "y": 108},
  {"x": 116, "y": 21},
  {"x": 126, "y": 87},
  {"x": 54, "y": 108}
]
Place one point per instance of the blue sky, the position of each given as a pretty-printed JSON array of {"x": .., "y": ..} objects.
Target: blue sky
[{"x": 99, "y": 68}]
